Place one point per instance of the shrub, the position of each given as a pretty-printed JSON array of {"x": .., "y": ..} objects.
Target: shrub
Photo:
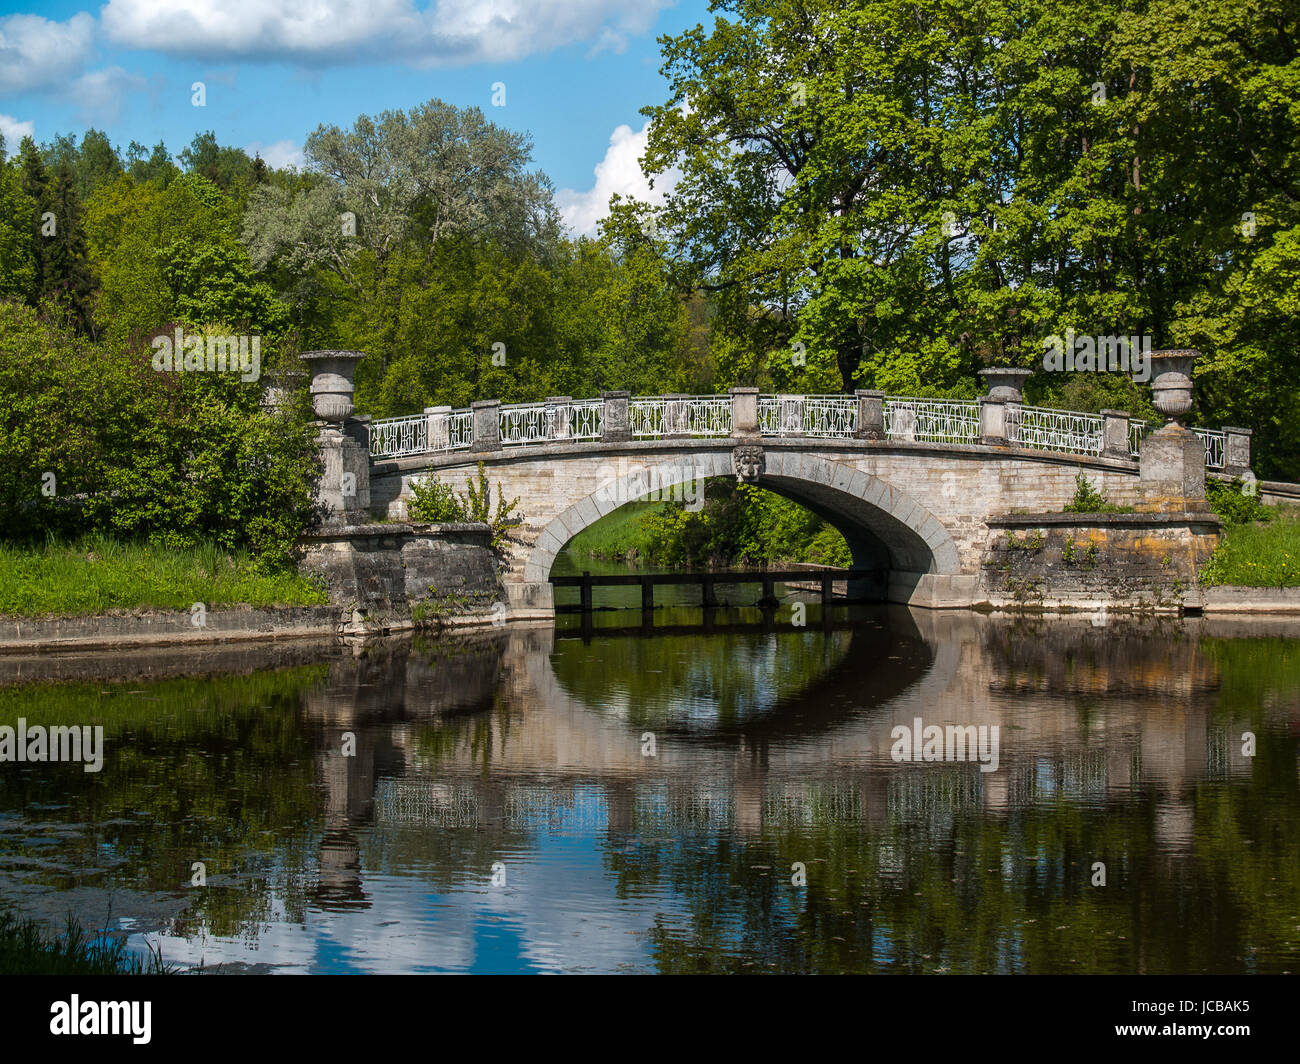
[
  {"x": 1233, "y": 505},
  {"x": 433, "y": 501},
  {"x": 1090, "y": 500}
]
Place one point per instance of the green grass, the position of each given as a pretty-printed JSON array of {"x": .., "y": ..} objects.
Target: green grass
[
  {"x": 26, "y": 948},
  {"x": 1258, "y": 554},
  {"x": 97, "y": 575},
  {"x": 618, "y": 535}
]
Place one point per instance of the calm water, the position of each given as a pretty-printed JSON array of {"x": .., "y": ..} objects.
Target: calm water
[{"x": 502, "y": 811}]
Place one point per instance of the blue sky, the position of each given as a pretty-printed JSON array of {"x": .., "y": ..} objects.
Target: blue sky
[{"x": 576, "y": 73}]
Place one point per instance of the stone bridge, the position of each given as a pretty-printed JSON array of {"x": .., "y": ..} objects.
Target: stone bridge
[{"x": 914, "y": 485}]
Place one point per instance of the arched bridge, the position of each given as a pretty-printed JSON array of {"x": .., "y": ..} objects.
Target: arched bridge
[{"x": 911, "y": 483}]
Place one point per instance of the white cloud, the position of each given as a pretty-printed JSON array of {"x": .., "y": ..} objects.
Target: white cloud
[
  {"x": 619, "y": 171},
  {"x": 37, "y": 53},
  {"x": 279, "y": 154},
  {"x": 323, "y": 32},
  {"x": 99, "y": 95},
  {"x": 13, "y": 132}
]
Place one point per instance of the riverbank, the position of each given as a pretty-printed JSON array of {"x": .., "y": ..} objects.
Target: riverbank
[
  {"x": 29, "y": 948},
  {"x": 100, "y": 575}
]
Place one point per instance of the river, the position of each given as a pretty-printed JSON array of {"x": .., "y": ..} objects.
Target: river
[{"x": 729, "y": 793}]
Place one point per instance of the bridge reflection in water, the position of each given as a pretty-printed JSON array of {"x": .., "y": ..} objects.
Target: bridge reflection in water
[{"x": 644, "y": 799}]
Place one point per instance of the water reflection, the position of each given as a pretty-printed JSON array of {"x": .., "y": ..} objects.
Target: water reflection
[{"x": 599, "y": 798}]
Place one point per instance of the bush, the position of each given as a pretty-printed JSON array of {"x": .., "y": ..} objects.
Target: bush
[
  {"x": 1233, "y": 505},
  {"x": 1089, "y": 500},
  {"x": 93, "y": 439},
  {"x": 432, "y": 501}
]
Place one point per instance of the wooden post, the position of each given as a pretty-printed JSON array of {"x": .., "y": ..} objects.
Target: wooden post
[
  {"x": 647, "y": 593},
  {"x": 585, "y": 592},
  {"x": 828, "y": 590},
  {"x": 709, "y": 599}
]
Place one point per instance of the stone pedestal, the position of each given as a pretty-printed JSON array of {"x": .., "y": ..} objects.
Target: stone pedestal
[
  {"x": 1236, "y": 450},
  {"x": 744, "y": 413},
  {"x": 485, "y": 426},
  {"x": 1114, "y": 434},
  {"x": 614, "y": 424},
  {"x": 439, "y": 427},
  {"x": 345, "y": 478},
  {"x": 993, "y": 421},
  {"x": 344, "y": 488},
  {"x": 1171, "y": 472},
  {"x": 871, "y": 415}
]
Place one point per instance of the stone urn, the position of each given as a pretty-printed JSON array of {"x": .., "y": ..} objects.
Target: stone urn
[
  {"x": 1005, "y": 382},
  {"x": 1171, "y": 381},
  {"x": 331, "y": 382},
  {"x": 279, "y": 387}
]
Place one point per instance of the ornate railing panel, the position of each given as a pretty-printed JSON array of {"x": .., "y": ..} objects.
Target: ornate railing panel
[
  {"x": 652, "y": 417},
  {"x": 397, "y": 436},
  {"x": 932, "y": 420},
  {"x": 1054, "y": 430},
  {"x": 1137, "y": 432},
  {"x": 1214, "y": 445},
  {"x": 524, "y": 423},
  {"x": 826, "y": 416}
]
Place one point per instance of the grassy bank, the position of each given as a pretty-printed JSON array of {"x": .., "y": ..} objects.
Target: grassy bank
[
  {"x": 1258, "y": 554},
  {"x": 97, "y": 574},
  {"x": 620, "y": 535},
  {"x": 26, "y": 948}
]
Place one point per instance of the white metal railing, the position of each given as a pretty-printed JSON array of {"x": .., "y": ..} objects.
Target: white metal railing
[
  {"x": 396, "y": 436},
  {"x": 1137, "y": 431},
  {"x": 817, "y": 416},
  {"x": 833, "y": 416},
  {"x": 656, "y": 416},
  {"x": 1213, "y": 440},
  {"x": 1045, "y": 429},
  {"x": 932, "y": 420},
  {"x": 524, "y": 423},
  {"x": 1214, "y": 446}
]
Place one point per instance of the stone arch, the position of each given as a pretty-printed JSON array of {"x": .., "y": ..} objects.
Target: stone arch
[{"x": 883, "y": 526}]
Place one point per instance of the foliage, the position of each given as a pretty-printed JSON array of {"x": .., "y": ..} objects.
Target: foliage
[
  {"x": 97, "y": 574},
  {"x": 740, "y": 525},
  {"x": 914, "y": 188},
  {"x": 1233, "y": 505},
  {"x": 92, "y": 438},
  {"x": 431, "y": 500},
  {"x": 434, "y": 501},
  {"x": 1090, "y": 499}
]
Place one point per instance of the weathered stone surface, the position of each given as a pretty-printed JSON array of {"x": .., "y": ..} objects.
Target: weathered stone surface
[
  {"x": 1172, "y": 471},
  {"x": 1145, "y": 560},
  {"x": 388, "y": 573}
]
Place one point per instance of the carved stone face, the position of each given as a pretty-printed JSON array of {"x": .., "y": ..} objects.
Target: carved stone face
[{"x": 748, "y": 463}]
